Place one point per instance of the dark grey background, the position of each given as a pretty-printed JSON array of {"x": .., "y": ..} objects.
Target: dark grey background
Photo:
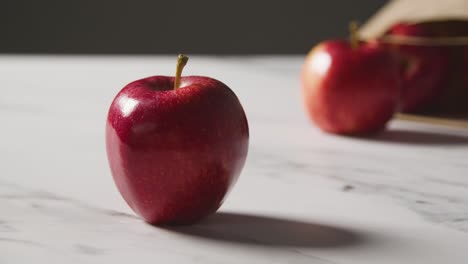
[{"x": 203, "y": 27}]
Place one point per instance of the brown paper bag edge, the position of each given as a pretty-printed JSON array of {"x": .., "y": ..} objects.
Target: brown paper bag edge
[{"x": 413, "y": 11}]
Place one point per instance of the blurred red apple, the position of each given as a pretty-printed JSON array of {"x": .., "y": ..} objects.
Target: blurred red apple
[
  {"x": 176, "y": 145},
  {"x": 350, "y": 88},
  {"x": 424, "y": 68}
]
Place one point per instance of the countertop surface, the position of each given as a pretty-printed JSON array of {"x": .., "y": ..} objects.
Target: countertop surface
[{"x": 303, "y": 197}]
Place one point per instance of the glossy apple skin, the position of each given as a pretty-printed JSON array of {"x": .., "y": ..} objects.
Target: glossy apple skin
[
  {"x": 424, "y": 68},
  {"x": 350, "y": 90},
  {"x": 174, "y": 154}
]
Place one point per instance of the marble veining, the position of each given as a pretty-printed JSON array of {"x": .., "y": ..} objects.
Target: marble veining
[
  {"x": 447, "y": 205},
  {"x": 55, "y": 214},
  {"x": 400, "y": 196}
]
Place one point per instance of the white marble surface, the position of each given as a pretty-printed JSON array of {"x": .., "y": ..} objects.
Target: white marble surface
[{"x": 303, "y": 197}]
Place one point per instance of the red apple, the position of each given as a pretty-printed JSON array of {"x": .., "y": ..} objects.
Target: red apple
[
  {"x": 176, "y": 145},
  {"x": 350, "y": 88},
  {"x": 425, "y": 68}
]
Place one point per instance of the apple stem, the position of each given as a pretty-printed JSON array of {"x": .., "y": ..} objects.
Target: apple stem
[
  {"x": 353, "y": 34},
  {"x": 181, "y": 62}
]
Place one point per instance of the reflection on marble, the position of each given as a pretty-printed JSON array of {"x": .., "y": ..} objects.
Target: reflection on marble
[{"x": 304, "y": 197}]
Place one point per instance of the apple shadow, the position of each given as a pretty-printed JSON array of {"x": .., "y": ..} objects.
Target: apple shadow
[
  {"x": 269, "y": 231},
  {"x": 419, "y": 137}
]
